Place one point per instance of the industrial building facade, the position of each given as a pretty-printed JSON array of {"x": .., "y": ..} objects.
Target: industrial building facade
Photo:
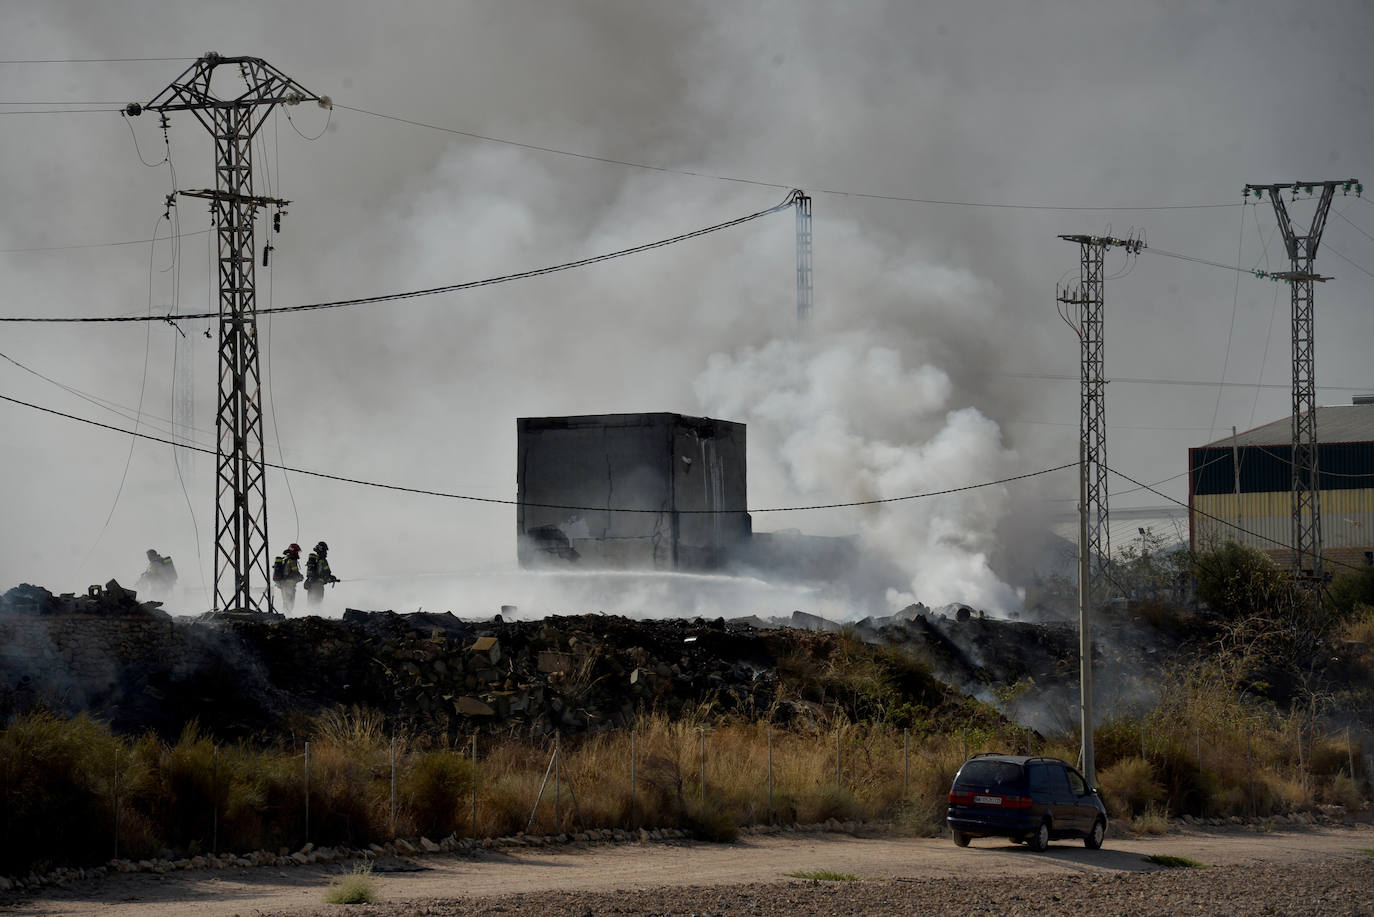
[
  {"x": 1240, "y": 488},
  {"x": 630, "y": 492}
]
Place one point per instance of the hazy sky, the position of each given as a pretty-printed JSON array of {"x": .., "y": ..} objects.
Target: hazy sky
[{"x": 934, "y": 328}]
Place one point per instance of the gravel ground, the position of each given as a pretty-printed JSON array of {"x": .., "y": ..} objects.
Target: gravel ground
[
  {"x": 1314, "y": 870},
  {"x": 1337, "y": 890}
]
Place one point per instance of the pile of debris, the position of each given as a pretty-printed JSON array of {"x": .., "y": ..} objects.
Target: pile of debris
[{"x": 239, "y": 675}]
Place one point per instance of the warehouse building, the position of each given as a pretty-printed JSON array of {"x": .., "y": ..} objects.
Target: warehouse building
[
  {"x": 630, "y": 492},
  {"x": 1240, "y": 487}
]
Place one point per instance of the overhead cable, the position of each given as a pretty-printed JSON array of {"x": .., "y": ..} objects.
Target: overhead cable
[
  {"x": 768, "y": 184},
  {"x": 1206, "y": 515},
  {"x": 62, "y": 248},
  {"x": 1064, "y": 377},
  {"x": 453, "y": 496},
  {"x": 450, "y": 288},
  {"x": 94, "y": 60}
]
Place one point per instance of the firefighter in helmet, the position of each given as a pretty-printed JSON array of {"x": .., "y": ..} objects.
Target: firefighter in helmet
[
  {"x": 317, "y": 574},
  {"x": 286, "y": 573},
  {"x": 160, "y": 576}
]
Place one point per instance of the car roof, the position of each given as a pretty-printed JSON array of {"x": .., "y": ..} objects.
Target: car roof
[{"x": 1015, "y": 759}]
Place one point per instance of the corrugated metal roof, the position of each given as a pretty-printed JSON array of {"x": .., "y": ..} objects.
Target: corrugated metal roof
[{"x": 1337, "y": 423}]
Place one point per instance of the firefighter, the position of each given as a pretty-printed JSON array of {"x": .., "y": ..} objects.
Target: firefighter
[
  {"x": 317, "y": 574},
  {"x": 160, "y": 576},
  {"x": 286, "y": 573}
]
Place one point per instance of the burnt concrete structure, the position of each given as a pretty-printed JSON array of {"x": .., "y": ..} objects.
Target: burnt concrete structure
[{"x": 630, "y": 491}]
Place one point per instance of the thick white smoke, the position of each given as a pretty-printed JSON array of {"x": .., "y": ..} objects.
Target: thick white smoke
[{"x": 847, "y": 418}]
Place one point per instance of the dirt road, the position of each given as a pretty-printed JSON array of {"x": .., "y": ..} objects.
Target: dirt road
[{"x": 1318, "y": 870}]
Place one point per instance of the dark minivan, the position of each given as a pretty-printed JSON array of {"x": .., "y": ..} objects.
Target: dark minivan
[{"x": 1030, "y": 800}]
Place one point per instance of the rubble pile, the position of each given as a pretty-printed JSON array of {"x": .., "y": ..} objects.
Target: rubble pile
[{"x": 244, "y": 675}]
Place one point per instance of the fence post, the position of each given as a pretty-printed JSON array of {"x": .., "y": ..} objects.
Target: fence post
[
  {"x": 1302, "y": 771},
  {"x": 116, "y": 799},
  {"x": 634, "y": 774},
  {"x": 393, "y": 787},
  {"x": 906, "y": 762},
  {"x": 307, "y": 792},
  {"x": 964, "y": 733},
  {"x": 770, "y": 774},
  {"x": 557, "y": 786},
  {"x": 214, "y": 804},
  {"x": 703, "y": 768},
  {"x": 474, "y": 786},
  {"x": 1250, "y": 769}
]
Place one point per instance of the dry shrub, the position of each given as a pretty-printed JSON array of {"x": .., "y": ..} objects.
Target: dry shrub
[
  {"x": 1328, "y": 757},
  {"x": 1343, "y": 791},
  {"x": 438, "y": 791},
  {"x": 712, "y": 823},
  {"x": 1151, "y": 821},
  {"x": 57, "y": 776},
  {"x": 1279, "y": 794},
  {"x": 1129, "y": 787},
  {"x": 1360, "y": 628}
]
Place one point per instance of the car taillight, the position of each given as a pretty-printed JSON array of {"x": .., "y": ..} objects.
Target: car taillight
[
  {"x": 1016, "y": 802},
  {"x": 960, "y": 799}
]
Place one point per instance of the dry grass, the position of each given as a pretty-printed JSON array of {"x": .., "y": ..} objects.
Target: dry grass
[
  {"x": 357, "y": 887},
  {"x": 1151, "y": 821},
  {"x": 66, "y": 781},
  {"x": 1129, "y": 787}
]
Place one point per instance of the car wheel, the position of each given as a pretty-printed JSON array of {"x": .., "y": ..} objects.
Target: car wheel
[
  {"x": 961, "y": 839},
  {"x": 1040, "y": 840},
  {"x": 1094, "y": 839}
]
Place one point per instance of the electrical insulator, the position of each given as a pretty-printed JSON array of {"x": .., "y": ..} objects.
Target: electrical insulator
[{"x": 276, "y": 221}]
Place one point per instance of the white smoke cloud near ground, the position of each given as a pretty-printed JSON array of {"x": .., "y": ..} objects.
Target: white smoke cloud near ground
[
  {"x": 920, "y": 309},
  {"x": 846, "y": 419}
]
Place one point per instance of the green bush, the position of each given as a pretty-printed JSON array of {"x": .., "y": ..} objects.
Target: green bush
[
  {"x": 438, "y": 790},
  {"x": 1235, "y": 581},
  {"x": 57, "y": 776},
  {"x": 716, "y": 824}
]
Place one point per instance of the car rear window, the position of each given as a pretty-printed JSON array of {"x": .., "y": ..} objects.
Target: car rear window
[{"x": 990, "y": 773}]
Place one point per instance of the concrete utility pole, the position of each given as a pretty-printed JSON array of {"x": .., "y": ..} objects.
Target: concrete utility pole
[
  {"x": 803, "y": 204},
  {"x": 1081, "y": 310},
  {"x": 242, "y": 560},
  {"x": 1302, "y": 255}
]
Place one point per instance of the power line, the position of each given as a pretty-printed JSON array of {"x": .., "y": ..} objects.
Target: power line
[
  {"x": 1206, "y": 515},
  {"x": 63, "y": 248},
  {"x": 1357, "y": 267},
  {"x": 93, "y": 60},
  {"x": 413, "y": 294},
  {"x": 716, "y": 176},
  {"x": 1356, "y": 225},
  {"x": 494, "y": 500},
  {"x": 1061, "y": 377},
  {"x": 59, "y": 111}
]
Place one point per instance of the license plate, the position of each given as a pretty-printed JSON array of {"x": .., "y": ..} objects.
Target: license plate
[{"x": 988, "y": 800}]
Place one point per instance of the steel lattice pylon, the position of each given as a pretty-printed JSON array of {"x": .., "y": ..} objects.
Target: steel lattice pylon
[
  {"x": 1302, "y": 254},
  {"x": 803, "y": 204},
  {"x": 1081, "y": 309},
  {"x": 242, "y": 559}
]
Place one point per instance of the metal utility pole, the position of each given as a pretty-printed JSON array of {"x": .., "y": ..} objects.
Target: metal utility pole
[
  {"x": 242, "y": 561},
  {"x": 802, "y": 200},
  {"x": 1081, "y": 310},
  {"x": 1302, "y": 254}
]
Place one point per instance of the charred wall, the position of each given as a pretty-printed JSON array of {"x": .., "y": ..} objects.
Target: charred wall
[{"x": 630, "y": 491}]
